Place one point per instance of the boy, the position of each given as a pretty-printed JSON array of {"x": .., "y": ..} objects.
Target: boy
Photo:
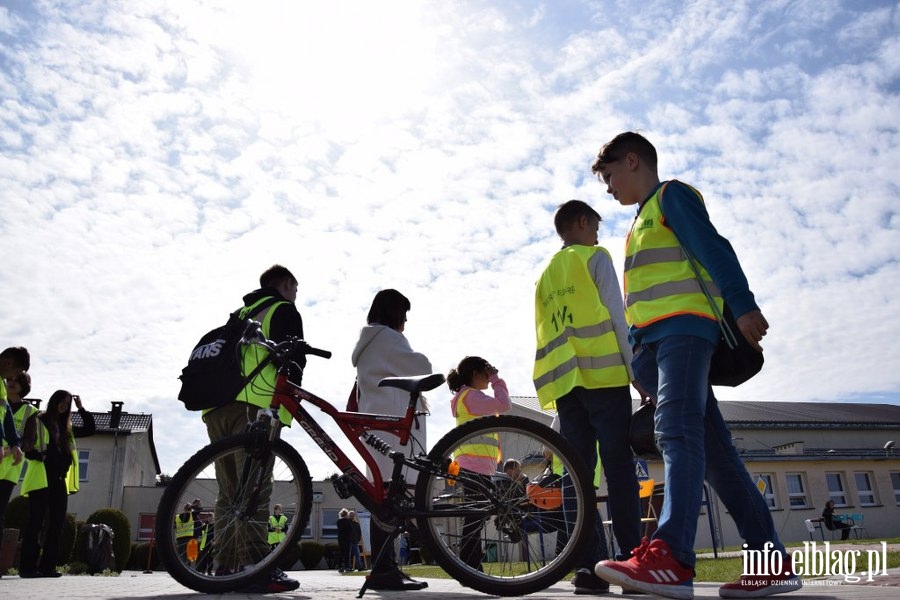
[
  {"x": 676, "y": 330},
  {"x": 583, "y": 369}
]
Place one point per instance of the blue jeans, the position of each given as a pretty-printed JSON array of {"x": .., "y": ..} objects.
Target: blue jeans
[
  {"x": 696, "y": 445},
  {"x": 601, "y": 416}
]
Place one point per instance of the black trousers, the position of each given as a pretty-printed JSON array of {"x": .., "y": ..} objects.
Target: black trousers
[{"x": 53, "y": 500}]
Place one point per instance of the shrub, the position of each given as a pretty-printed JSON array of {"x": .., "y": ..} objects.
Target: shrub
[
  {"x": 311, "y": 554},
  {"x": 138, "y": 559},
  {"x": 67, "y": 539},
  {"x": 290, "y": 557},
  {"x": 121, "y": 527}
]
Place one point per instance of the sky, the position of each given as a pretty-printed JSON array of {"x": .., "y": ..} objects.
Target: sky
[{"x": 156, "y": 157}]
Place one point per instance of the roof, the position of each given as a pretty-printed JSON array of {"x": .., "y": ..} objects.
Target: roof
[
  {"x": 128, "y": 424},
  {"x": 747, "y": 414}
]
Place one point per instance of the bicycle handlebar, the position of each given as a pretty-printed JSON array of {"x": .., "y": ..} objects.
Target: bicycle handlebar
[{"x": 281, "y": 350}]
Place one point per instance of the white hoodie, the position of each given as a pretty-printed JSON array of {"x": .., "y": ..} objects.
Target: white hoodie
[{"x": 384, "y": 352}]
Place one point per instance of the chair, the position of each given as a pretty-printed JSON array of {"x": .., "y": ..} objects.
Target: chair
[
  {"x": 646, "y": 492},
  {"x": 812, "y": 527},
  {"x": 857, "y": 524}
]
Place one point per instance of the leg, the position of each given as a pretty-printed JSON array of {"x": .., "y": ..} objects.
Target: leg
[
  {"x": 6, "y": 488},
  {"x": 682, "y": 373},
  {"x": 470, "y": 547},
  {"x": 57, "y": 503},
  {"x": 37, "y": 506},
  {"x": 610, "y": 417},
  {"x": 575, "y": 426},
  {"x": 728, "y": 476}
]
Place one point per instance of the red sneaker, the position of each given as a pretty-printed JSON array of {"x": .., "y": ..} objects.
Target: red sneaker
[
  {"x": 651, "y": 569},
  {"x": 754, "y": 586}
]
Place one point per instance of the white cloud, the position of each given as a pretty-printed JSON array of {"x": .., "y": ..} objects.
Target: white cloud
[{"x": 156, "y": 160}]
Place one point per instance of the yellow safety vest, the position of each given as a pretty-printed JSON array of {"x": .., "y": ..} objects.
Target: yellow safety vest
[
  {"x": 184, "y": 529},
  {"x": 36, "y": 474},
  {"x": 576, "y": 343},
  {"x": 484, "y": 446},
  {"x": 8, "y": 471},
  {"x": 278, "y": 523},
  {"x": 659, "y": 280},
  {"x": 259, "y": 391}
]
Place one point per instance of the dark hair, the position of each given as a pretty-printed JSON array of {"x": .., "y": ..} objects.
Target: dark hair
[
  {"x": 463, "y": 373},
  {"x": 568, "y": 213},
  {"x": 24, "y": 381},
  {"x": 389, "y": 307},
  {"x": 274, "y": 276},
  {"x": 622, "y": 144},
  {"x": 65, "y": 419},
  {"x": 19, "y": 357}
]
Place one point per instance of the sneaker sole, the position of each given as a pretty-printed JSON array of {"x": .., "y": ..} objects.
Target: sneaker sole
[
  {"x": 667, "y": 590},
  {"x": 789, "y": 585}
]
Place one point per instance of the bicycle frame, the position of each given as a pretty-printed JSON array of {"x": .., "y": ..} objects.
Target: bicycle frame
[{"x": 354, "y": 426}]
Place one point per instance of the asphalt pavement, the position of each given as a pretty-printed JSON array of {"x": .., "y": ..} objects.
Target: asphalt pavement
[{"x": 329, "y": 585}]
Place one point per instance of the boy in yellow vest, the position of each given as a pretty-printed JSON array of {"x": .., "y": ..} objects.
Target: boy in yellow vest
[
  {"x": 583, "y": 369},
  {"x": 675, "y": 326}
]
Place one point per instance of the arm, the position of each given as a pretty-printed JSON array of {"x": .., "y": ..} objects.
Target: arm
[
  {"x": 479, "y": 403},
  {"x": 88, "y": 426},
  {"x": 12, "y": 436},
  {"x": 686, "y": 215},
  {"x": 604, "y": 276}
]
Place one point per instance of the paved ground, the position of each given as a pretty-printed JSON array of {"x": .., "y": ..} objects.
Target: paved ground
[{"x": 328, "y": 585}]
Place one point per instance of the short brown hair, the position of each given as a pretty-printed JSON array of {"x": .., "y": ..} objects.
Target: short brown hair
[
  {"x": 568, "y": 213},
  {"x": 274, "y": 275},
  {"x": 622, "y": 144}
]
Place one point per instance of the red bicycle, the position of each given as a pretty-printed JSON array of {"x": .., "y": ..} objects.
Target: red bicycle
[{"x": 526, "y": 539}]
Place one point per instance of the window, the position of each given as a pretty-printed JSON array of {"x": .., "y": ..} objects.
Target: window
[
  {"x": 146, "y": 523},
  {"x": 768, "y": 491},
  {"x": 895, "y": 483},
  {"x": 329, "y": 522},
  {"x": 796, "y": 490},
  {"x": 83, "y": 456},
  {"x": 864, "y": 488},
  {"x": 835, "y": 482}
]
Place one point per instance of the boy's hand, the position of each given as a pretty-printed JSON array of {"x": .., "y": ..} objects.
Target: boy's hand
[{"x": 753, "y": 326}]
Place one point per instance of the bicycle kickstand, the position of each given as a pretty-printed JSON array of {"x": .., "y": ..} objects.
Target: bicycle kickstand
[{"x": 389, "y": 543}]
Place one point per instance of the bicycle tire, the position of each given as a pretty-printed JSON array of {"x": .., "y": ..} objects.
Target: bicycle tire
[
  {"x": 234, "y": 528},
  {"x": 509, "y": 516}
]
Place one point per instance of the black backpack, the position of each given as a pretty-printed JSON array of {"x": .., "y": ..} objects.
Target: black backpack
[{"x": 212, "y": 377}]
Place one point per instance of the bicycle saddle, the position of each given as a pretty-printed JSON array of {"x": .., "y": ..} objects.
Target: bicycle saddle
[{"x": 419, "y": 383}]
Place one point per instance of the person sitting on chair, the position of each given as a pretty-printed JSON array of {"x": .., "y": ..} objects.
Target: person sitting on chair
[{"x": 831, "y": 524}]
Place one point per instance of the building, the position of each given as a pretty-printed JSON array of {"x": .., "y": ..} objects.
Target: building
[{"x": 801, "y": 454}]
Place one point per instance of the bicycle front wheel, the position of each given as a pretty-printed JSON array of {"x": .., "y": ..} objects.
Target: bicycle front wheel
[
  {"x": 237, "y": 480},
  {"x": 498, "y": 535}
]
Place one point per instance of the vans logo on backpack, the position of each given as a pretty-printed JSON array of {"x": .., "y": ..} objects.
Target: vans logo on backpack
[
  {"x": 213, "y": 376},
  {"x": 208, "y": 350}
]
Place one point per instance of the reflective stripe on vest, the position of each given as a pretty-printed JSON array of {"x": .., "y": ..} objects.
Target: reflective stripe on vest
[
  {"x": 36, "y": 473},
  {"x": 482, "y": 446},
  {"x": 659, "y": 280},
  {"x": 258, "y": 392},
  {"x": 576, "y": 343}
]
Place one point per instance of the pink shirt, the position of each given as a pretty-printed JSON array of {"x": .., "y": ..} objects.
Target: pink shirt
[{"x": 477, "y": 403}]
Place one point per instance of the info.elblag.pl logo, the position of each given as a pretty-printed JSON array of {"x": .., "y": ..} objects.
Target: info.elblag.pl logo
[{"x": 813, "y": 561}]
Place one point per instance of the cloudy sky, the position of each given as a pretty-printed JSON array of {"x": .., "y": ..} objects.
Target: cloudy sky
[{"x": 156, "y": 156}]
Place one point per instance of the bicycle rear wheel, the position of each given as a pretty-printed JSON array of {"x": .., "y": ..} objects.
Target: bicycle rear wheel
[
  {"x": 496, "y": 535},
  {"x": 237, "y": 480}
]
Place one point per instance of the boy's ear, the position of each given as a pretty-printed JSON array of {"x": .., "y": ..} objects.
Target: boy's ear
[{"x": 632, "y": 161}]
